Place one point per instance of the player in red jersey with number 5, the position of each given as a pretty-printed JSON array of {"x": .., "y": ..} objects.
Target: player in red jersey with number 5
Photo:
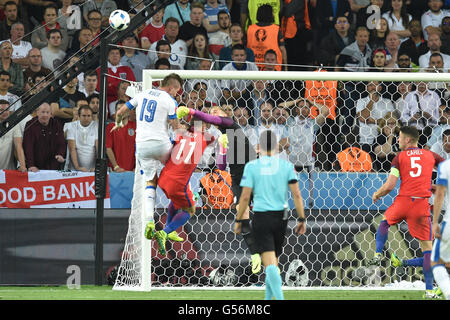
[
  {"x": 174, "y": 178},
  {"x": 414, "y": 167}
]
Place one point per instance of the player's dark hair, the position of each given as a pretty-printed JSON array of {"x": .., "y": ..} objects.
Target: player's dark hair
[
  {"x": 3, "y": 101},
  {"x": 411, "y": 132},
  {"x": 168, "y": 80},
  {"x": 268, "y": 141}
]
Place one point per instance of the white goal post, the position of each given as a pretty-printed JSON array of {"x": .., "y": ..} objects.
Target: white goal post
[{"x": 346, "y": 194}]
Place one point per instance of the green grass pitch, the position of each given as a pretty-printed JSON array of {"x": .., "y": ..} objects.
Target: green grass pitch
[{"x": 106, "y": 293}]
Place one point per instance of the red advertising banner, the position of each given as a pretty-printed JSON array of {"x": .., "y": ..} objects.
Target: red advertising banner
[{"x": 47, "y": 188}]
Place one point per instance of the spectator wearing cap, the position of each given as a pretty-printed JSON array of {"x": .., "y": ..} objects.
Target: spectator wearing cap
[
  {"x": 133, "y": 58},
  {"x": 379, "y": 60}
]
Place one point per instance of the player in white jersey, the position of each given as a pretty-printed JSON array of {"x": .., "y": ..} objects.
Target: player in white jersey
[
  {"x": 155, "y": 110},
  {"x": 440, "y": 255}
]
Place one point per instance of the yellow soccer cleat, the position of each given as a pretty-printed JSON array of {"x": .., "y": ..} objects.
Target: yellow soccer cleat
[
  {"x": 161, "y": 238},
  {"x": 256, "y": 263},
  {"x": 174, "y": 237},
  {"x": 396, "y": 261}
]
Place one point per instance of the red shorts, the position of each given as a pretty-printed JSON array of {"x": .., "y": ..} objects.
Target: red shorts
[
  {"x": 416, "y": 212},
  {"x": 179, "y": 193}
]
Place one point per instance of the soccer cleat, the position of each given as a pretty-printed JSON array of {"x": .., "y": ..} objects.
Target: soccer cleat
[
  {"x": 396, "y": 261},
  {"x": 174, "y": 237},
  {"x": 432, "y": 294},
  {"x": 256, "y": 263},
  {"x": 376, "y": 260},
  {"x": 161, "y": 238},
  {"x": 150, "y": 230},
  {"x": 438, "y": 292}
]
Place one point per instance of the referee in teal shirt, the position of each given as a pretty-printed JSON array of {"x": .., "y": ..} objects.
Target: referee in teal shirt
[{"x": 269, "y": 178}]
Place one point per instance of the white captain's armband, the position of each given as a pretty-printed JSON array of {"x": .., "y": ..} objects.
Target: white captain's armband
[{"x": 395, "y": 172}]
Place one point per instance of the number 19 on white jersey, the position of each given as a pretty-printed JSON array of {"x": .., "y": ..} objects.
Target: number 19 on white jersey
[{"x": 153, "y": 108}]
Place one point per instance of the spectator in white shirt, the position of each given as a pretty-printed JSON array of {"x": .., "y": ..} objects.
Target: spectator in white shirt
[
  {"x": 442, "y": 147},
  {"x": 20, "y": 47},
  {"x": 82, "y": 139},
  {"x": 434, "y": 44},
  {"x": 234, "y": 88},
  {"x": 368, "y": 111},
  {"x": 398, "y": 19},
  {"x": 178, "y": 47},
  {"x": 431, "y": 20},
  {"x": 421, "y": 110}
]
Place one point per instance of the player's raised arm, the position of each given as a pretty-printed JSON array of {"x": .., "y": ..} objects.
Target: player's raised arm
[
  {"x": 223, "y": 122},
  {"x": 119, "y": 116}
]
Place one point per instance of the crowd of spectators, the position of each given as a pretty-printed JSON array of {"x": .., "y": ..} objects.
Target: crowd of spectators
[{"x": 315, "y": 121}]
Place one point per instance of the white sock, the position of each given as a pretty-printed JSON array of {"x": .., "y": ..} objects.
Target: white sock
[
  {"x": 150, "y": 198},
  {"x": 442, "y": 279}
]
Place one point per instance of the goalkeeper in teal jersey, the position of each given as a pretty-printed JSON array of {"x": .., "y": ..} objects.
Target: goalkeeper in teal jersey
[{"x": 269, "y": 178}]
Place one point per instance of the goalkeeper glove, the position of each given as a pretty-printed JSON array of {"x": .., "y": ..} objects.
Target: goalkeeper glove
[
  {"x": 183, "y": 111},
  {"x": 223, "y": 143}
]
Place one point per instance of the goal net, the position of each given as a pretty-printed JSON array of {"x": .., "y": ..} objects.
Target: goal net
[{"x": 340, "y": 130}]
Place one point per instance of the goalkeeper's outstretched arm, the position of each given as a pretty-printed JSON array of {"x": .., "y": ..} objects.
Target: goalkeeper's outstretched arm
[{"x": 223, "y": 122}]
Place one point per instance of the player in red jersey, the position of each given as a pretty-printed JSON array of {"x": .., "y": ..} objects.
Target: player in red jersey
[
  {"x": 414, "y": 167},
  {"x": 190, "y": 143}
]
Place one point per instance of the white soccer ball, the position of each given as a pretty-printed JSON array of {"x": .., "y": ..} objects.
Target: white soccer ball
[{"x": 119, "y": 19}]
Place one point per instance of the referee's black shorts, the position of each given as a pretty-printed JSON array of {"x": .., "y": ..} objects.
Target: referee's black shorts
[{"x": 269, "y": 231}]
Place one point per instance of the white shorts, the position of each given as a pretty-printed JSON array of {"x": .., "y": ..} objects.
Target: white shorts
[
  {"x": 152, "y": 155},
  {"x": 441, "y": 247}
]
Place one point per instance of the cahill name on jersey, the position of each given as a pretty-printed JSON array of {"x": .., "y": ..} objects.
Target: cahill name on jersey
[
  {"x": 415, "y": 166},
  {"x": 153, "y": 108}
]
